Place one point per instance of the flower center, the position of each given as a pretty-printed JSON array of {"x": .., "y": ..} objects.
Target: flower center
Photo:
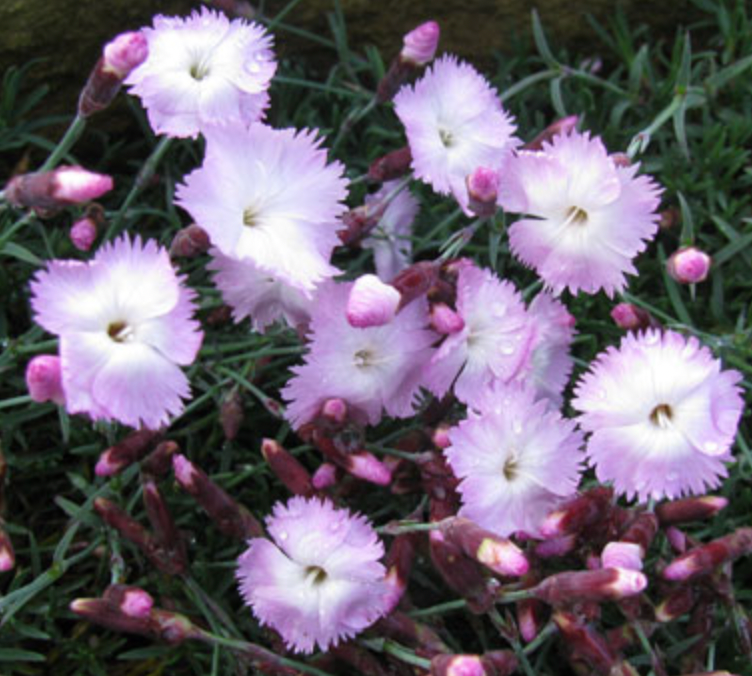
[
  {"x": 120, "y": 332},
  {"x": 315, "y": 575},
  {"x": 250, "y": 217},
  {"x": 510, "y": 468},
  {"x": 661, "y": 416},
  {"x": 199, "y": 71},
  {"x": 447, "y": 138},
  {"x": 577, "y": 216},
  {"x": 363, "y": 359}
]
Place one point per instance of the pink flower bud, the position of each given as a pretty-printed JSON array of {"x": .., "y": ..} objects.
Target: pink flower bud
[
  {"x": 7, "y": 555},
  {"x": 231, "y": 414},
  {"x": 482, "y": 190},
  {"x": 124, "y": 53},
  {"x": 688, "y": 265},
  {"x": 457, "y": 665},
  {"x": 50, "y": 190},
  {"x": 83, "y": 233},
  {"x": 706, "y": 558},
  {"x": 631, "y": 318},
  {"x": 366, "y": 466},
  {"x": 445, "y": 320},
  {"x": 678, "y": 603},
  {"x": 493, "y": 551},
  {"x": 334, "y": 410},
  {"x": 440, "y": 436},
  {"x": 74, "y": 185},
  {"x": 123, "y": 454},
  {"x": 606, "y": 584},
  {"x": 325, "y": 476},
  {"x": 677, "y": 539},
  {"x": 559, "y": 546},
  {"x": 578, "y": 513},
  {"x": 44, "y": 379},
  {"x": 136, "y": 603},
  {"x": 371, "y": 302},
  {"x": 287, "y": 468},
  {"x": 419, "y": 45},
  {"x": 622, "y": 555}
]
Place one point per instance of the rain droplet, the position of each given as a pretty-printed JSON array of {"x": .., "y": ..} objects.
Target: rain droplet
[
  {"x": 710, "y": 447},
  {"x": 507, "y": 349},
  {"x": 283, "y": 536}
]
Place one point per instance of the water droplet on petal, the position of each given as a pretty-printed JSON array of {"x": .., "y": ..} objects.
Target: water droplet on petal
[{"x": 283, "y": 536}]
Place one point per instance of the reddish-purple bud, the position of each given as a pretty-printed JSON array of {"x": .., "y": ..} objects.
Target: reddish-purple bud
[
  {"x": 136, "y": 603},
  {"x": 622, "y": 555},
  {"x": 399, "y": 562},
  {"x": 497, "y": 553},
  {"x": 482, "y": 191},
  {"x": 706, "y": 558},
  {"x": 119, "y": 57},
  {"x": 44, "y": 379},
  {"x": 371, "y": 302},
  {"x": 159, "y": 461},
  {"x": 165, "y": 531},
  {"x": 679, "y": 602},
  {"x": 231, "y": 518},
  {"x": 631, "y": 318},
  {"x": 325, "y": 476},
  {"x": 391, "y": 166},
  {"x": 528, "y": 618},
  {"x": 360, "y": 221},
  {"x": 83, "y": 233},
  {"x": 578, "y": 513},
  {"x": 190, "y": 242},
  {"x": 287, "y": 468},
  {"x": 231, "y": 414},
  {"x": 334, "y": 410},
  {"x": 688, "y": 265},
  {"x": 7, "y": 554},
  {"x": 499, "y": 662},
  {"x": 606, "y": 584},
  {"x": 641, "y": 531},
  {"x": 553, "y": 547},
  {"x": 366, "y": 466},
  {"x": 621, "y": 159},
  {"x": 690, "y": 509},
  {"x": 415, "y": 281},
  {"x": 677, "y": 539},
  {"x": 123, "y": 454},
  {"x": 583, "y": 643},
  {"x": 562, "y": 126},
  {"x": 419, "y": 45}
]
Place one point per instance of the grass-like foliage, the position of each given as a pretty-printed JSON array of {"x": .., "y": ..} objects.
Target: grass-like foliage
[{"x": 682, "y": 108}]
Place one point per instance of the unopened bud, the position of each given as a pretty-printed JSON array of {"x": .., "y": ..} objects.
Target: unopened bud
[
  {"x": 419, "y": 45},
  {"x": 123, "y": 454},
  {"x": 366, "y": 466},
  {"x": 677, "y": 539},
  {"x": 83, "y": 233},
  {"x": 7, "y": 554},
  {"x": 578, "y": 513},
  {"x": 415, "y": 281},
  {"x": 231, "y": 414},
  {"x": 166, "y": 532},
  {"x": 445, "y": 320},
  {"x": 360, "y": 221},
  {"x": 622, "y": 555},
  {"x": 553, "y": 547},
  {"x": 606, "y": 584},
  {"x": 395, "y": 164},
  {"x": 371, "y": 302},
  {"x": 621, "y": 159},
  {"x": 399, "y": 561},
  {"x": 231, "y": 518},
  {"x": 159, "y": 461},
  {"x": 641, "y": 531},
  {"x": 50, "y": 190},
  {"x": 190, "y": 242},
  {"x": 44, "y": 379},
  {"x": 136, "y": 603},
  {"x": 678, "y": 603},
  {"x": 334, "y": 410},
  {"x": 119, "y": 57},
  {"x": 500, "y": 555},
  {"x": 690, "y": 509},
  {"x": 584, "y": 643},
  {"x": 457, "y": 665},
  {"x": 440, "y": 436},
  {"x": 287, "y": 468},
  {"x": 688, "y": 265},
  {"x": 528, "y": 611},
  {"x": 631, "y": 318},
  {"x": 325, "y": 476},
  {"x": 705, "y": 558},
  {"x": 562, "y": 126},
  {"x": 482, "y": 191},
  {"x": 669, "y": 218}
]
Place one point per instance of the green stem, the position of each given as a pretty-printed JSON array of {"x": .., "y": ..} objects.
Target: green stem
[
  {"x": 547, "y": 631},
  {"x": 71, "y": 135},
  {"x": 439, "y": 609},
  {"x": 147, "y": 171}
]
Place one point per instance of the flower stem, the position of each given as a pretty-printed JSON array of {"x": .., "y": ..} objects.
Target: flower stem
[{"x": 71, "y": 135}]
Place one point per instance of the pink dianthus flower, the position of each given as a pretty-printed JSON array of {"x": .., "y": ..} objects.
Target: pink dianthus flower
[
  {"x": 125, "y": 328},
  {"x": 494, "y": 343},
  {"x": 203, "y": 70},
  {"x": 455, "y": 123},
  {"x": 268, "y": 196},
  {"x": 372, "y": 369},
  {"x": 516, "y": 459},
  {"x": 662, "y": 415},
  {"x": 320, "y": 581},
  {"x": 590, "y": 217}
]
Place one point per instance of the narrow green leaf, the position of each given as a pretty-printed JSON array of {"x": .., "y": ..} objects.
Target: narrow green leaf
[{"x": 540, "y": 41}]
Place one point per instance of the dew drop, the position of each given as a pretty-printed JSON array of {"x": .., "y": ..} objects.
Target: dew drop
[
  {"x": 507, "y": 349},
  {"x": 710, "y": 447},
  {"x": 283, "y": 536}
]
